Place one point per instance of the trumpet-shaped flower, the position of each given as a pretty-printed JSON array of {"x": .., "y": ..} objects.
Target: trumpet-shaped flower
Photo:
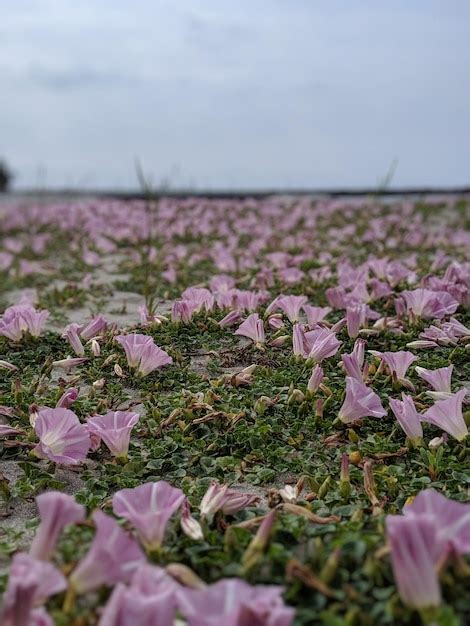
[
  {"x": 354, "y": 363},
  {"x": 20, "y": 319},
  {"x": 153, "y": 357},
  {"x": 56, "y": 510},
  {"x": 94, "y": 327},
  {"x": 451, "y": 520},
  {"x": 237, "y": 500},
  {"x": 429, "y": 304},
  {"x": 355, "y": 319},
  {"x": 233, "y": 602},
  {"x": 315, "y": 379},
  {"x": 142, "y": 353},
  {"x": 455, "y": 328},
  {"x": 183, "y": 310},
  {"x": 291, "y": 306},
  {"x": 67, "y": 398},
  {"x": 70, "y": 362},
  {"x": 133, "y": 345},
  {"x": 221, "y": 498},
  {"x": 113, "y": 557},
  {"x": 201, "y": 297},
  {"x": 71, "y": 333},
  {"x": 128, "y": 606},
  {"x": 62, "y": 438},
  {"x": 149, "y": 508},
  {"x": 232, "y": 318},
  {"x": 447, "y": 414},
  {"x": 397, "y": 362},
  {"x": 150, "y": 600},
  {"x": 114, "y": 429},
  {"x": 413, "y": 551},
  {"x": 439, "y": 379},
  {"x": 252, "y": 328},
  {"x": 360, "y": 401},
  {"x": 213, "y": 499},
  {"x": 31, "y": 582},
  {"x": 316, "y": 344},
  {"x": 315, "y": 314},
  {"x": 408, "y": 417}
]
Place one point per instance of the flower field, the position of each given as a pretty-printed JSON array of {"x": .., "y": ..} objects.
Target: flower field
[{"x": 237, "y": 412}]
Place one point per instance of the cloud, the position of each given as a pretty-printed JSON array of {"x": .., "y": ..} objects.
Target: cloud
[{"x": 77, "y": 78}]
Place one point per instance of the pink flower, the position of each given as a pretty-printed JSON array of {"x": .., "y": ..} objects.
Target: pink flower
[
  {"x": 237, "y": 500},
  {"x": 153, "y": 357},
  {"x": 128, "y": 606},
  {"x": 114, "y": 429},
  {"x": 397, "y": 362},
  {"x": 291, "y": 306},
  {"x": 142, "y": 353},
  {"x": 429, "y": 304},
  {"x": 94, "y": 327},
  {"x": 439, "y": 379},
  {"x": 70, "y": 362},
  {"x": 252, "y": 328},
  {"x": 315, "y": 379},
  {"x": 316, "y": 344},
  {"x": 183, "y": 310},
  {"x": 30, "y": 583},
  {"x": 355, "y": 319},
  {"x": 56, "y": 511},
  {"x": 447, "y": 414},
  {"x": 456, "y": 328},
  {"x": 354, "y": 363},
  {"x": 190, "y": 526},
  {"x": 149, "y": 508},
  {"x": 232, "y": 318},
  {"x": 408, "y": 417},
  {"x": 133, "y": 345},
  {"x": 315, "y": 314},
  {"x": 67, "y": 398},
  {"x": 71, "y": 334},
  {"x": 149, "y": 601},
  {"x": 202, "y": 297},
  {"x": 413, "y": 549},
  {"x": 360, "y": 401},
  {"x": 213, "y": 499},
  {"x": 233, "y": 602},
  {"x": 20, "y": 319},
  {"x": 6, "y": 431},
  {"x": 229, "y": 501},
  {"x": 113, "y": 557},
  {"x": 62, "y": 438},
  {"x": 451, "y": 520}
]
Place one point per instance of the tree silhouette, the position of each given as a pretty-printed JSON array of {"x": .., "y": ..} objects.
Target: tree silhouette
[{"x": 5, "y": 177}]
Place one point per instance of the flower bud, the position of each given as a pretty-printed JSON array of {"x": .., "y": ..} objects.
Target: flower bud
[
  {"x": 296, "y": 397},
  {"x": 324, "y": 488},
  {"x": 315, "y": 379},
  {"x": 259, "y": 542},
  {"x": 280, "y": 341},
  {"x": 95, "y": 348},
  {"x": 118, "y": 370},
  {"x": 189, "y": 525},
  {"x": 184, "y": 575}
]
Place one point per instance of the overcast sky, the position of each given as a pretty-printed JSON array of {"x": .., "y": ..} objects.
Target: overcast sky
[{"x": 235, "y": 93}]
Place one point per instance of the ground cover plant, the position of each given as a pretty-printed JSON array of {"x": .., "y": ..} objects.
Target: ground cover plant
[{"x": 247, "y": 412}]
